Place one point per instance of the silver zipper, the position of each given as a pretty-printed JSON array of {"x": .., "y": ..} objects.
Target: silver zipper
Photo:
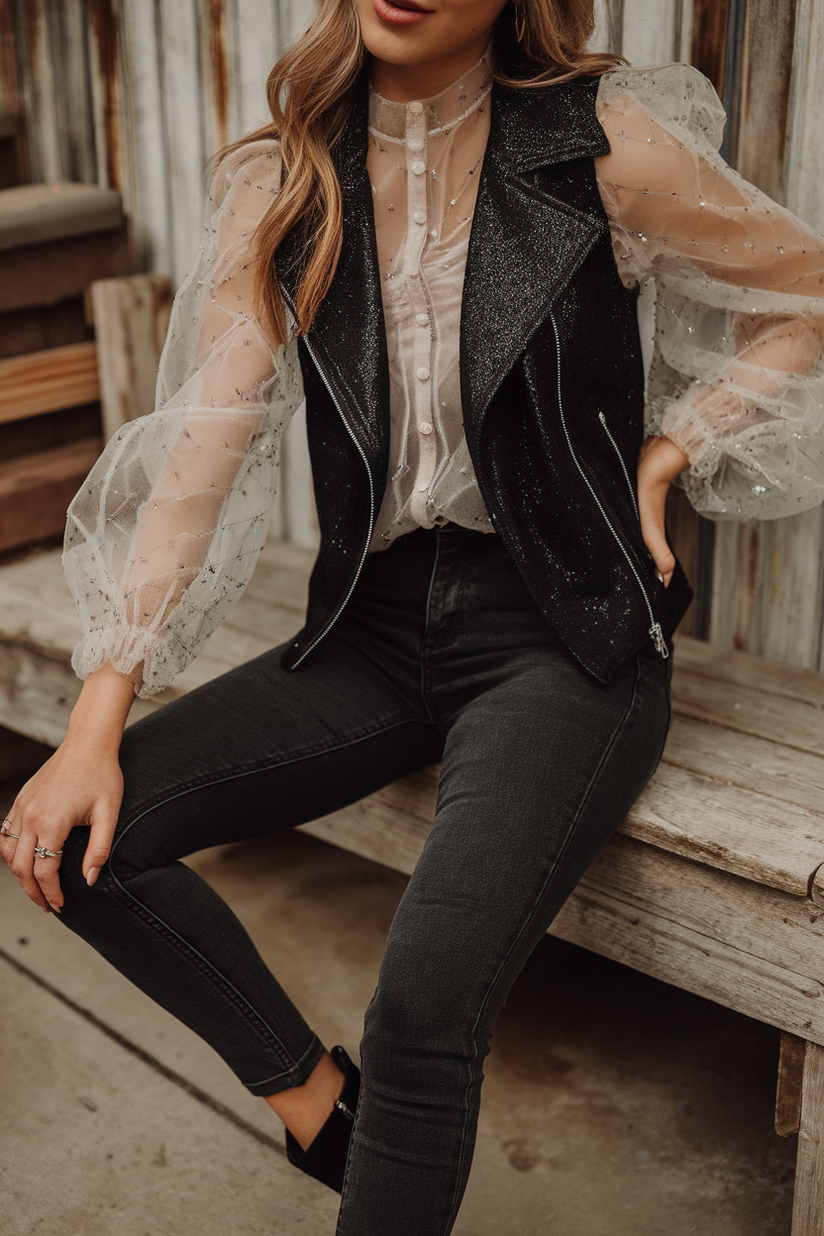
[
  {"x": 347, "y": 1111},
  {"x": 362, "y": 454},
  {"x": 655, "y": 632},
  {"x": 603, "y": 421}
]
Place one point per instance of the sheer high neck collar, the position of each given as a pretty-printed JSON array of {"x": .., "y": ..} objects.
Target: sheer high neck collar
[{"x": 442, "y": 111}]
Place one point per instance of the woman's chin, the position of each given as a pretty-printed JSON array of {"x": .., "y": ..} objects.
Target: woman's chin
[
  {"x": 399, "y": 35},
  {"x": 426, "y": 33}
]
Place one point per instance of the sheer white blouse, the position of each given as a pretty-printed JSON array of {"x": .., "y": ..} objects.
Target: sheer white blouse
[
  {"x": 424, "y": 161},
  {"x": 164, "y": 534}
]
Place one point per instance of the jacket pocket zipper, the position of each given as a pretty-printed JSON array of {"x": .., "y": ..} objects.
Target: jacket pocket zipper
[
  {"x": 362, "y": 454},
  {"x": 347, "y": 1111},
  {"x": 624, "y": 468},
  {"x": 655, "y": 632}
]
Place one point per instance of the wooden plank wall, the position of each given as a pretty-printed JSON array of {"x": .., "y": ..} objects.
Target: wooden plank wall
[
  {"x": 768, "y": 578},
  {"x": 140, "y": 93},
  {"x": 763, "y": 582}
]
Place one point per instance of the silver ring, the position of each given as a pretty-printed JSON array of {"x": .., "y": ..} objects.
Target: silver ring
[
  {"x": 42, "y": 852},
  {"x": 4, "y": 832}
]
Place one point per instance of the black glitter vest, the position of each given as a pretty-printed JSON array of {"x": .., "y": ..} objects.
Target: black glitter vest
[{"x": 552, "y": 384}]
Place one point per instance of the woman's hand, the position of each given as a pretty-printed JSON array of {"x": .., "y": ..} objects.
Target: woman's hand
[
  {"x": 80, "y": 784},
  {"x": 660, "y": 462}
]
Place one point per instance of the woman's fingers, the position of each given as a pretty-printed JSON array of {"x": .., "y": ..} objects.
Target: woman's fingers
[
  {"x": 81, "y": 784},
  {"x": 22, "y": 867},
  {"x": 100, "y": 842},
  {"x": 653, "y": 530},
  {"x": 47, "y": 876},
  {"x": 660, "y": 463},
  {"x": 36, "y": 859}
]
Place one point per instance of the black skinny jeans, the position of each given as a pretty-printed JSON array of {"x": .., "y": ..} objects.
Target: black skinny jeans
[{"x": 440, "y": 654}]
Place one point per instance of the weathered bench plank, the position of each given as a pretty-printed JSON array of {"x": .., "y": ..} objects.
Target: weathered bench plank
[
  {"x": 777, "y": 927},
  {"x": 784, "y": 773},
  {"x": 749, "y": 710},
  {"x": 748, "y": 670}
]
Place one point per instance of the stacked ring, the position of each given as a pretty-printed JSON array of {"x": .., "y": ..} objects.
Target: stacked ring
[
  {"x": 42, "y": 852},
  {"x": 5, "y": 832}
]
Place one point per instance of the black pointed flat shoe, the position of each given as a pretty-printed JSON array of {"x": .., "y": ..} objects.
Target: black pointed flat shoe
[{"x": 325, "y": 1158}]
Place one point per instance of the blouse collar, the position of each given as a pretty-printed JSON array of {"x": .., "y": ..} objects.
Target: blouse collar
[{"x": 450, "y": 107}]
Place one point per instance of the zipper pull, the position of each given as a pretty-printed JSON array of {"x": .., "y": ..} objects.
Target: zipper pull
[
  {"x": 602, "y": 419},
  {"x": 341, "y": 1106},
  {"x": 659, "y": 643}
]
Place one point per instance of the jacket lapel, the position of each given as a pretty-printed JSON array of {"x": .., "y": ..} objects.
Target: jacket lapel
[
  {"x": 526, "y": 243},
  {"x": 348, "y": 337}
]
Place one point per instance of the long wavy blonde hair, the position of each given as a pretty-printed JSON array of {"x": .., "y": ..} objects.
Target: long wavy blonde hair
[{"x": 311, "y": 90}]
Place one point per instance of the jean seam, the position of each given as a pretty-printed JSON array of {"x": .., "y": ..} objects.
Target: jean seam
[
  {"x": 550, "y": 875},
  {"x": 256, "y": 766},
  {"x": 142, "y": 911},
  {"x": 298, "y": 1068},
  {"x": 196, "y": 959}
]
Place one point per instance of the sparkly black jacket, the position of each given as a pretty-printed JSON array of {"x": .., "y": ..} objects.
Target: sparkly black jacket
[{"x": 552, "y": 384}]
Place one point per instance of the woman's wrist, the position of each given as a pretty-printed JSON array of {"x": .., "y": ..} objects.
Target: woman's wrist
[{"x": 100, "y": 714}]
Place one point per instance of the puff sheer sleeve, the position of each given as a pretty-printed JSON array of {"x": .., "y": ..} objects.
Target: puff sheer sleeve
[
  {"x": 163, "y": 536},
  {"x": 736, "y": 378}
]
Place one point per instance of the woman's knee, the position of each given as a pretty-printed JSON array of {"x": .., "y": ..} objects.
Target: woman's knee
[
  {"x": 82, "y": 903},
  {"x": 72, "y": 879},
  {"x": 134, "y": 851},
  {"x": 424, "y": 1015}
]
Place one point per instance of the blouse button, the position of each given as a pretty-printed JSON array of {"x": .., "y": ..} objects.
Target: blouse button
[
  {"x": 425, "y": 427},
  {"x": 416, "y": 108},
  {"x": 422, "y": 319},
  {"x": 419, "y": 167},
  {"x": 415, "y": 144},
  {"x": 423, "y": 374},
  {"x": 419, "y": 216}
]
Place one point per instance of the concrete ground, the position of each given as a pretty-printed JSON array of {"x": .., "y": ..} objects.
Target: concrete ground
[{"x": 614, "y": 1105}]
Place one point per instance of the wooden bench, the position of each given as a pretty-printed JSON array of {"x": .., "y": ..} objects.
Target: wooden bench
[{"x": 715, "y": 881}]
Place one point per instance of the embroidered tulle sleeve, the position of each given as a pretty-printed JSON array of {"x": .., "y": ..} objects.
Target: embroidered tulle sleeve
[
  {"x": 162, "y": 538},
  {"x": 736, "y": 378}
]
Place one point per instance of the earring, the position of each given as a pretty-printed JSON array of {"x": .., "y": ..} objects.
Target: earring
[{"x": 520, "y": 20}]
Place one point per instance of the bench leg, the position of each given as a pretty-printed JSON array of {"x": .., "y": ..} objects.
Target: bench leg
[
  {"x": 790, "y": 1084},
  {"x": 808, "y": 1208}
]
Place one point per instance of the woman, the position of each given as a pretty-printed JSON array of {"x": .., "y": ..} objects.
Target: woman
[{"x": 440, "y": 239}]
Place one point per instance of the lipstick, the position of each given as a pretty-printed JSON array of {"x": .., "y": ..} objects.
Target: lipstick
[{"x": 405, "y": 14}]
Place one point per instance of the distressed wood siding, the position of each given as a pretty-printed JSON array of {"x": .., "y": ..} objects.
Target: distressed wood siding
[
  {"x": 768, "y": 577},
  {"x": 708, "y": 41},
  {"x": 140, "y": 93}
]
